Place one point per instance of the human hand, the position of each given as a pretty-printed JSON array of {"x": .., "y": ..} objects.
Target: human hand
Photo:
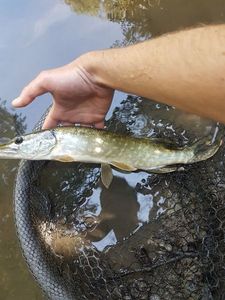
[{"x": 77, "y": 98}]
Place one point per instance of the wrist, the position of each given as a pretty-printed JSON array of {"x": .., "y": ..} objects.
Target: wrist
[
  {"x": 92, "y": 63},
  {"x": 104, "y": 67}
]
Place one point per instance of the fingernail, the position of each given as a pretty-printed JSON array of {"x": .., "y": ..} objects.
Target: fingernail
[{"x": 16, "y": 101}]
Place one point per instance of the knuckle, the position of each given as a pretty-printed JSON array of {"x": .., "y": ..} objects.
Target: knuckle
[
  {"x": 43, "y": 78},
  {"x": 43, "y": 75}
]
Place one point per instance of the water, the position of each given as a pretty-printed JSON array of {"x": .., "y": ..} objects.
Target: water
[{"x": 37, "y": 35}]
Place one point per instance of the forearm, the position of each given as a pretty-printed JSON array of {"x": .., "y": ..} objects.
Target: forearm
[{"x": 185, "y": 69}]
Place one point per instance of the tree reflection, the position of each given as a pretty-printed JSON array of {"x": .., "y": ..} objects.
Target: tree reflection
[
  {"x": 141, "y": 19},
  {"x": 13, "y": 271},
  {"x": 11, "y": 124},
  {"x": 83, "y": 7}
]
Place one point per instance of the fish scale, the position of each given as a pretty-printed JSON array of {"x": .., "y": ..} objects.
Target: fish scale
[{"x": 92, "y": 145}]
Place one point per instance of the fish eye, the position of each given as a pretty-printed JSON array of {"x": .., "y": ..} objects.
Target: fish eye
[{"x": 18, "y": 140}]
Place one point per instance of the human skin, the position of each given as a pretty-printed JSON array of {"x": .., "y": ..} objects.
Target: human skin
[{"x": 185, "y": 69}]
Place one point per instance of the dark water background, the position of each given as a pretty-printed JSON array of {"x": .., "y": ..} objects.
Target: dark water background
[{"x": 36, "y": 35}]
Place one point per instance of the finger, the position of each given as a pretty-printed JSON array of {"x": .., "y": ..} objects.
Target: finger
[
  {"x": 66, "y": 123},
  {"x": 100, "y": 125},
  {"x": 32, "y": 90},
  {"x": 50, "y": 121}
]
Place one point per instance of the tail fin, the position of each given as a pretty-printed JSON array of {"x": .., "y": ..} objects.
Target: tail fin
[{"x": 205, "y": 149}]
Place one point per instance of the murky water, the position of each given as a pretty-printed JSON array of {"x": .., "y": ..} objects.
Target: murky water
[{"x": 37, "y": 35}]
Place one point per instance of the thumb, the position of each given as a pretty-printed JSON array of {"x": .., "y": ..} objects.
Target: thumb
[
  {"x": 35, "y": 88},
  {"x": 50, "y": 121}
]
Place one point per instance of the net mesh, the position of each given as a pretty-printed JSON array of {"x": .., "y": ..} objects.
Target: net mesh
[{"x": 150, "y": 236}]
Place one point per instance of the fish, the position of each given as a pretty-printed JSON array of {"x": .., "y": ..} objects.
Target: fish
[{"x": 110, "y": 149}]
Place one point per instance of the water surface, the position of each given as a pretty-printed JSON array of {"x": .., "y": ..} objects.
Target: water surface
[{"x": 37, "y": 35}]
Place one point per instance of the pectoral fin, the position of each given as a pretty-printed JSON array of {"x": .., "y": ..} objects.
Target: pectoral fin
[
  {"x": 123, "y": 166},
  {"x": 106, "y": 175}
]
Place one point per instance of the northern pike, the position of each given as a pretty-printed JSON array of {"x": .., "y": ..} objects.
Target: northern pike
[{"x": 127, "y": 153}]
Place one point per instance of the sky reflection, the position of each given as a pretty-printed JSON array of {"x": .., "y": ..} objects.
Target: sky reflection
[{"x": 38, "y": 35}]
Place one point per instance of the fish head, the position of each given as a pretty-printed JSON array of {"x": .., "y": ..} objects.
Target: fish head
[{"x": 32, "y": 146}]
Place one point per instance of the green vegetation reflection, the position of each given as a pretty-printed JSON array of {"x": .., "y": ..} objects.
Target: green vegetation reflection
[{"x": 141, "y": 19}]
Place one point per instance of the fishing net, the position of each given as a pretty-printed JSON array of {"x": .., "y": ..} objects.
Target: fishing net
[{"x": 149, "y": 236}]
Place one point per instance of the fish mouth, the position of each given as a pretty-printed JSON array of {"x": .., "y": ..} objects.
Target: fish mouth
[{"x": 9, "y": 151}]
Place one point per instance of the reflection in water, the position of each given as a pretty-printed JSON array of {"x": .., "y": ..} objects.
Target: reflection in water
[
  {"x": 111, "y": 221},
  {"x": 85, "y": 7},
  {"x": 142, "y": 19},
  {"x": 172, "y": 246},
  {"x": 13, "y": 272}
]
